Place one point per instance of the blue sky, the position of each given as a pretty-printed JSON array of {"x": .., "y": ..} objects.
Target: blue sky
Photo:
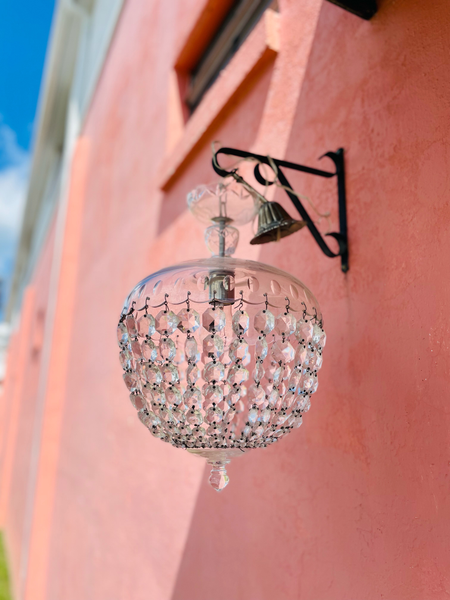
[{"x": 24, "y": 31}]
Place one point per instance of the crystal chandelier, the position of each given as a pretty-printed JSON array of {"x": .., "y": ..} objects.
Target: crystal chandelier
[{"x": 221, "y": 355}]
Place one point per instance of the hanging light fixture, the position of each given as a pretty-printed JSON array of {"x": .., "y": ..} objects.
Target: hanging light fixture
[{"x": 221, "y": 355}]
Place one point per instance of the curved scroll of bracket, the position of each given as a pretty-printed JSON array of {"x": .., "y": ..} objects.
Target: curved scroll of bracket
[{"x": 338, "y": 159}]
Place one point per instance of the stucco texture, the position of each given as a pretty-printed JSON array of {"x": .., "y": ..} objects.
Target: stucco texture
[{"x": 355, "y": 504}]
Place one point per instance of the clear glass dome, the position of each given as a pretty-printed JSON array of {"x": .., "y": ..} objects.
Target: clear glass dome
[{"x": 220, "y": 356}]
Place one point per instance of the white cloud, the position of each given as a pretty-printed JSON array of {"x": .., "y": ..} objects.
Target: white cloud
[{"x": 14, "y": 168}]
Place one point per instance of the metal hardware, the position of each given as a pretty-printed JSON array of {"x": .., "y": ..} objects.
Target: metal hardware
[
  {"x": 274, "y": 223},
  {"x": 338, "y": 159}
]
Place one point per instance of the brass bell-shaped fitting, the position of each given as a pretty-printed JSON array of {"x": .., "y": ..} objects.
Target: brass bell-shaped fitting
[{"x": 274, "y": 223}]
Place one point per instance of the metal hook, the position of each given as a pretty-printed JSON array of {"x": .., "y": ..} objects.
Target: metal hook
[
  {"x": 241, "y": 303},
  {"x": 304, "y": 310},
  {"x": 288, "y": 305},
  {"x": 131, "y": 311}
]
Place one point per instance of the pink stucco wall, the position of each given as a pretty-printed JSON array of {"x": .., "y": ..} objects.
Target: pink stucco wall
[{"x": 356, "y": 503}]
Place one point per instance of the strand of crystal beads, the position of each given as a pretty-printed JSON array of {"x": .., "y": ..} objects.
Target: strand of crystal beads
[
  {"x": 239, "y": 357},
  {"x": 282, "y": 354},
  {"x": 214, "y": 321},
  {"x": 260, "y": 396}
]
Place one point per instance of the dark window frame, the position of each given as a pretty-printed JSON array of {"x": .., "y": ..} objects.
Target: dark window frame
[{"x": 235, "y": 28}]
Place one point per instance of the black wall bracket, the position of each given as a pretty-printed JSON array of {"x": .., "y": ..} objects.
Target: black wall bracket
[{"x": 338, "y": 159}]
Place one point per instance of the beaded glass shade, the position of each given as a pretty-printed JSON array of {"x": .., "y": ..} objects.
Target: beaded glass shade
[{"x": 221, "y": 356}]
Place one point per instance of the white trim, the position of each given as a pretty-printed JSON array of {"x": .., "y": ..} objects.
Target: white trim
[{"x": 81, "y": 35}]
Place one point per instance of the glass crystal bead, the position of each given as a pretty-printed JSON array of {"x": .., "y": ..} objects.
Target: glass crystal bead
[
  {"x": 221, "y": 241},
  {"x": 285, "y": 324},
  {"x": 238, "y": 350},
  {"x": 130, "y": 323},
  {"x": 233, "y": 396},
  {"x": 256, "y": 394},
  {"x": 297, "y": 422},
  {"x": 159, "y": 433},
  {"x": 273, "y": 397},
  {"x": 266, "y": 415},
  {"x": 138, "y": 401},
  {"x": 192, "y": 374},
  {"x": 189, "y": 320},
  {"x": 167, "y": 348},
  {"x": 288, "y": 400},
  {"x": 279, "y": 418},
  {"x": 304, "y": 331},
  {"x": 246, "y": 359},
  {"x": 191, "y": 350},
  {"x": 218, "y": 478},
  {"x": 166, "y": 322},
  {"x": 136, "y": 349},
  {"x": 303, "y": 403},
  {"x": 213, "y": 394},
  {"x": 264, "y": 321},
  {"x": 173, "y": 396},
  {"x": 214, "y": 319},
  {"x": 146, "y": 325},
  {"x": 170, "y": 373},
  {"x": 274, "y": 373},
  {"x": 316, "y": 361},
  {"x": 301, "y": 355},
  {"x": 140, "y": 369},
  {"x": 194, "y": 418},
  {"x": 179, "y": 355},
  {"x": 153, "y": 374},
  {"x": 214, "y": 371},
  {"x": 240, "y": 322},
  {"x": 166, "y": 415},
  {"x": 283, "y": 352},
  {"x": 306, "y": 381},
  {"x": 229, "y": 415},
  {"x": 131, "y": 380},
  {"x": 158, "y": 395},
  {"x": 290, "y": 420},
  {"x": 149, "y": 350},
  {"x": 319, "y": 337},
  {"x": 122, "y": 334},
  {"x": 278, "y": 433},
  {"x": 125, "y": 358},
  {"x": 193, "y": 397},
  {"x": 261, "y": 348},
  {"x": 247, "y": 431},
  {"x": 294, "y": 379},
  {"x": 258, "y": 372},
  {"x": 147, "y": 418},
  {"x": 178, "y": 410},
  {"x": 147, "y": 392},
  {"x": 286, "y": 373},
  {"x": 237, "y": 375},
  {"x": 214, "y": 415},
  {"x": 259, "y": 430},
  {"x": 253, "y": 415},
  {"x": 315, "y": 385},
  {"x": 213, "y": 346}
]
